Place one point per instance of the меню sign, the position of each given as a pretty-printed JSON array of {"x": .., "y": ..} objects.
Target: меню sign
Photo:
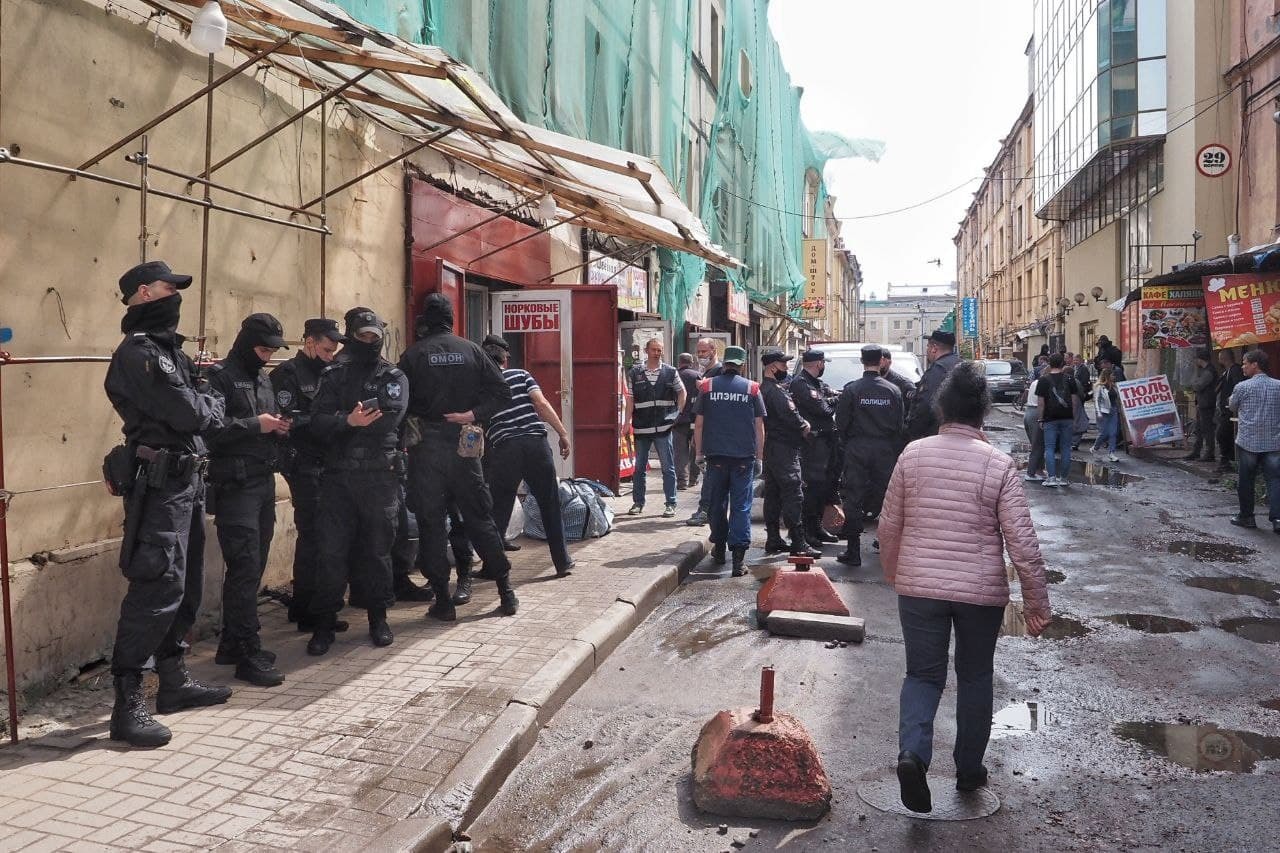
[{"x": 1244, "y": 309}]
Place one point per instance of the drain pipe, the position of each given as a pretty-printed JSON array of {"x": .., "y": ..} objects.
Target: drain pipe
[{"x": 11, "y": 679}]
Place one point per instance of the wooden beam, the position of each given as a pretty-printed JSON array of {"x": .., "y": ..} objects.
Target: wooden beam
[
  {"x": 359, "y": 59},
  {"x": 240, "y": 13}
]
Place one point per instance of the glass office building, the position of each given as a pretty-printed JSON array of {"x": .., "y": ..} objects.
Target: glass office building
[{"x": 1099, "y": 82}]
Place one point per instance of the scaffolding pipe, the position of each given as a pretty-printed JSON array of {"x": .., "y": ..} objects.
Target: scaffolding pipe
[
  {"x": 195, "y": 179},
  {"x": 435, "y": 137},
  {"x": 204, "y": 223},
  {"x": 324, "y": 214},
  {"x": 541, "y": 230},
  {"x": 142, "y": 202}
]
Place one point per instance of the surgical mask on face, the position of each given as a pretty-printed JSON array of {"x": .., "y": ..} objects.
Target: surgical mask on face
[{"x": 704, "y": 362}]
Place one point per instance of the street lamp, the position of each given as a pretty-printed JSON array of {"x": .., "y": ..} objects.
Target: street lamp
[{"x": 1096, "y": 293}]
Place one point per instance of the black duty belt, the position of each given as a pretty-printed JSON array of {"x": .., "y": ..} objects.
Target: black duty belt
[{"x": 172, "y": 463}]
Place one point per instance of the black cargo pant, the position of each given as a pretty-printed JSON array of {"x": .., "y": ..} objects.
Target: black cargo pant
[
  {"x": 359, "y": 510},
  {"x": 246, "y": 521},
  {"x": 528, "y": 458},
  {"x": 868, "y": 464},
  {"x": 304, "y": 494},
  {"x": 404, "y": 553},
  {"x": 166, "y": 576},
  {"x": 820, "y": 471},
  {"x": 1206, "y": 432},
  {"x": 1226, "y": 436},
  {"x": 783, "y": 486},
  {"x": 439, "y": 478}
]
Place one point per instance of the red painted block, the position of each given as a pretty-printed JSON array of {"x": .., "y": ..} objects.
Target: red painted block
[{"x": 808, "y": 591}]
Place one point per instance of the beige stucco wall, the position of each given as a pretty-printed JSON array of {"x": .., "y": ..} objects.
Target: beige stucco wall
[{"x": 1096, "y": 261}]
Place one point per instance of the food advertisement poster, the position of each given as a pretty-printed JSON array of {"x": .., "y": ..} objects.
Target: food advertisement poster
[
  {"x": 1174, "y": 317},
  {"x": 1150, "y": 411},
  {"x": 1244, "y": 309}
]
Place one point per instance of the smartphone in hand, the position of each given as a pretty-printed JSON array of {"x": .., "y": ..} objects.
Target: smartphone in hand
[{"x": 369, "y": 405}]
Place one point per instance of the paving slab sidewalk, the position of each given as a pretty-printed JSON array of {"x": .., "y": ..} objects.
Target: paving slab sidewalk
[{"x": 362, "y": 748}]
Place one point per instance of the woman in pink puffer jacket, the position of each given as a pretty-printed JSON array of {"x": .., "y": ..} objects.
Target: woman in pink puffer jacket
[{"x": 955, "y": 504}]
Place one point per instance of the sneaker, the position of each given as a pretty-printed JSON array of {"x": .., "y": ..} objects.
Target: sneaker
[
  {"x": 1113, "y": 458},
  {"x": 698, "y": 519},
  {"x": 636, "y": 509},
  {"x": 1033, "y": 478},
  {"x": 669, "y": 511},
  {"x": 1052, "y": 482},
  {"x": 1246, "y": 521}
]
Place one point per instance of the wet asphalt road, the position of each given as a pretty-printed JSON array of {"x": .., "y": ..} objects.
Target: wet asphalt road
[{"x": 1128, "y": 732}]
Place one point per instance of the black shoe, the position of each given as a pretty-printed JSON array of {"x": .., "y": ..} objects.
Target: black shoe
[
  {"x": 775, "y": 544},
  {"x": 972, "y": 781},
  {"x": 484, "y": 574},
  {"x": 131, "y": 722},
  {"x": 462, "y": 593},
  {"x": 852, "y": 555},
  {"x": 230, "y": 652},
  {"x": 875, "y": 545},
  {"x": 800, "y": 547},
  {"x": 442, "y": 609},
  {"x": 508, "y": 545},
  {"x": 178, "y": 690},
  {"x": 912, "y": 784},
  {"x": 507, "y": 602},
  {"x": 817, "y": 534},
  {"x": 406, "y": 590},
  {"x": 379, "y": 630},
  {"x": 260, "y": 670},
  {"x": 1246, "y": 521},
  {"x": 566, "y": 569},
  {"x": 320, "y": 642},
  {"x": 309, "y": 623},
  {"x": 739, "y": 557},
  {"x": 1275, "y": 527},
  {"x": 698, "y": 519},
  {"x": 1191, "y": 457},
  {"x": 717, "y": 553}
]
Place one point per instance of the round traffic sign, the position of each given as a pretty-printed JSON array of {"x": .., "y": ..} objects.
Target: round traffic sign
[{"x": 1213, "y": 160}]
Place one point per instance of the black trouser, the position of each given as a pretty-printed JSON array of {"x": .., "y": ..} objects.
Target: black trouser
[
  {"x": 819, "y": 470},
  {"x": 359, "y": 510},
  {"x": 166, "y": 576},
  {"x": 868, "y": 464},
  {"x": 404, "y": 553},
  {"x": 528, "y": 458},
  {"x": 1226, "y": 436},
  {"x": 246, "y": 521},
  {"x": 304, "y": 494},
  {"x": 439, "y": 478},
  {"x": 783, "y": 487},
  {"x": 686, "y": 463},
  {"x": 1206, "y": 431}
]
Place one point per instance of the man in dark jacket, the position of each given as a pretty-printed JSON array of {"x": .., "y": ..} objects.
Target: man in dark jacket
[
  {"x": 1232, "y": 375},
  {"x": 942, "y": 358},
  {"x": 686, "y": 470},
  {"x": 1204, "y": 382},
  {"x": 785, "y": 432},
  {"x": 455, "y": 385},
  {"x": 1111, "y": 354},
  {"x": 819, "y": 462},
  {"x": 243, "y": 452}
]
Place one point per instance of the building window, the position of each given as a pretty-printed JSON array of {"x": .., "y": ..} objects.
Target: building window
[
  {"x": 875, "y": 325},
  {"x": 717, "y": 40},
  {"x": 897, "y": 324}
]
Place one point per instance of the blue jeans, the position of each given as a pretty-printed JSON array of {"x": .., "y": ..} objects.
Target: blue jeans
[
  {"x": 730, "y": 487},
  {"x": 1248, "y": 464},
  {"x": 1035, "y": 436},
  {"x": 1057, "y": 439},
  {"x": 926, "y": 630},
  {"x": 666, "y": 458},
  {"x": 1108, "y": 431}
]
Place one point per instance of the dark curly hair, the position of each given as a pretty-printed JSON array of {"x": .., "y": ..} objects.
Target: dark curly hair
[{"x": 964, "y": 397}]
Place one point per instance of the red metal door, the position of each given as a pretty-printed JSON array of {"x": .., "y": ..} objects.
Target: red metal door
[
  {"x": 430, "y": 274},
  {"x": 595, "y": 382}
]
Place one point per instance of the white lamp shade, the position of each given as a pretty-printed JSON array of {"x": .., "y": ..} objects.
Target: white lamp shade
[
  {"x": 209, "y": 28},
  {"x": 547, "y": 208}
]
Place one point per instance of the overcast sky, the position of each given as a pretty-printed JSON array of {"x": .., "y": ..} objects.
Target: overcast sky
[{"x": 939, "y": 82}]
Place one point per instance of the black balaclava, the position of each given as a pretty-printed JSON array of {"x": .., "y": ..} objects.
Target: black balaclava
[
  {"x": 158, "y": 315},
  {"x": 437, "y": 315},
  {"x": 357, "y": 351},
  {"x": 243, "y": 352}
]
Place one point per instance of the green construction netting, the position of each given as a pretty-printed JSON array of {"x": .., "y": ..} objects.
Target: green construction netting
[{"x": 619, "y": 72}]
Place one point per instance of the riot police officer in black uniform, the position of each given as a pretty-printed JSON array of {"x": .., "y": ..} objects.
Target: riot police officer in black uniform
[
  {"x": 357, "y": 413},
  {"x": 819, "y": 461},
  {"x": 302, "y": 455},
  {"x": 242, "y": 463},
  {"x": 869, "y": 421},
  {"x": 151, "y": 385},
  {"x": 784, "y": 435},
  {"x": 454, "y": 384}
]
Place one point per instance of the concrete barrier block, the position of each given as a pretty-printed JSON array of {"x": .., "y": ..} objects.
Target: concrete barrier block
[{"x": 816, "y": 626}]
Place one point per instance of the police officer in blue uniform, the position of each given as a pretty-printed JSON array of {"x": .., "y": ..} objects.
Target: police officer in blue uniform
[
  {"x": 357, "y": 413},
  {"x": 454, "y": 385},
  {"x": 242, "y": 464},
  {"x": 869, "y": 421},
  {"x": 819, "y": 462},
  {"x": 728, "y": 433},
  {"x": 151, "y": 385},
  {"x": 785, "y": 432}
]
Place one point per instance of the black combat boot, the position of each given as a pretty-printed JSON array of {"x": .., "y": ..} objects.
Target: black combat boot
[
  {"x": 800, "y": 545},
  {"x": 739, "y": 560},
  {"x": 442, "y": 607},
  {"x": 179, "y": 690},
  {"x": 507, "y": 601},
  {"x": 229, "y": 651},
  {"x": 322, "y": 636},
  {"x": 774, "y": 543},
  {"x": 406, "y": 590},
  {"x": 852, "y": 555},
  {"x": 258, "y": 666},
  {"x": 717, "y": 553},
  {"x": 462, "y": 592},
  {"x": 379, "y": 630},
  {"x": 817, "y": 536},
  {"x": 130, "y": 720}
]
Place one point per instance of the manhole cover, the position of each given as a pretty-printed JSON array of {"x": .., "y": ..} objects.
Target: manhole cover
[{"x": 948, "y": 803}]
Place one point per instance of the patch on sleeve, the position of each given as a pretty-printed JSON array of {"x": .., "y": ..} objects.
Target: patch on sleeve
[
  {"x": 394, "y": 390},
  {"x": 284, "y": 398},
  {"x": 166, "y": 364}
]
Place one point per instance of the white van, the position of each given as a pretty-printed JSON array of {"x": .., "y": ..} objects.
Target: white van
[{"x": 844, "y": 362}]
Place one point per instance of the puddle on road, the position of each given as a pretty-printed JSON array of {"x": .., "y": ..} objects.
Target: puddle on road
[
  {"x": 1238, "y": 585},
  {"x": 1093, "y": 474},
  {"x": 1211, "y": 552},
  {"x": 1203, "y": 748},
  {"x": 1059, "y": 628},
  {"x": 708, "y": 636},
  {"x": 1050, "y": 575},
  {"x": 1021, "y": 718},
  {"x": 1151, "y": 624},
  {"x": 1271, "y": 704},
  {"x": 1256, "y": 629}
]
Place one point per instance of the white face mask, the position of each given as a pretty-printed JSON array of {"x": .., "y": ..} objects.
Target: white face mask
[{"x": 704, "y": 362}]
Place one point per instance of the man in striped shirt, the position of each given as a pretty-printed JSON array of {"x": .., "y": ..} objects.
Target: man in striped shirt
[{"x": 518, "y": 450}]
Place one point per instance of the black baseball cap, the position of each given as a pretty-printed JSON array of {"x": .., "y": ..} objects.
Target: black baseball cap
[
  {"x": 496, "y": 341},
  {"x": 146, "y": 273},
  {"x": 322, "y": 327},
  {"x": 813, "y": 355},
  {"x": 264, "y": 330},
  {"x": 947, "y": 339},
  {"x": 872, "y": 353},
  {"x": 771, "y": 356},
  {"x": 361, "y": 319}
]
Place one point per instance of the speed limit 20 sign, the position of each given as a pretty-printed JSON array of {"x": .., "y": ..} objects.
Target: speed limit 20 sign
[{"x": 1213, "y": 160}]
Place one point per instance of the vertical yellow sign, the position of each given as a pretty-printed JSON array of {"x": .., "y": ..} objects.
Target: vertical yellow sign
[{"x": 815, "y": 269}]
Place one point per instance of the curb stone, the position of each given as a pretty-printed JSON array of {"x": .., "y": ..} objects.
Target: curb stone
[{"x": 469, "y": 787}]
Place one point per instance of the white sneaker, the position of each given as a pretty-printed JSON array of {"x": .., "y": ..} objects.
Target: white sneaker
[
  {"x": 1033, "y": 478},
  {"x": 1113, "y": 458},
  {"x": 1052, "y": 482}
]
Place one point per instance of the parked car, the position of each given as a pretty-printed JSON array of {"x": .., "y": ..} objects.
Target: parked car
[
  {"x": 844, "y": 362},
  {"x": 1006, "y": 377}
]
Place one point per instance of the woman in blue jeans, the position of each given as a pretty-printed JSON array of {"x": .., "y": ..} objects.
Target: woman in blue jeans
[
  {"x": 1106, "y": 400},
  {"x": 954, "y": 506}
]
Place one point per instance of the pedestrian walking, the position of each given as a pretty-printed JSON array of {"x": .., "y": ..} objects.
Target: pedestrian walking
[
  {"x": 1232, "y": 375},
  {"x": 869, "y": 423},
  {"x": 785, "y": 432},
  {"x": 953, "y": 509},
  {"x": 243, "y": 458},
  {"x": 1109, "y": 355},
  {"x": 1031, "y": 424},
  {"x": 1256, "y": 403},
  {"x": 1204, "y": 382},
  {"x": 656, "y": 398},
  {"x": 942, "y": 358},
  {"x": 709, "y": 364},
  {"x": 357, "y": 413},
  {"x": 1084, "y": 381},
  {"x": 454, "y": 386},
  {"x": 819, "y": 462},
  {"x": 158, "y": 471},
  {"x": 728, "y": 434},
  {"x": 1106, "y": 402},
  {"x": 682, "y": 433},
  {"x": 1059, "y": 397},
  {"x": 518, "y": 450}
]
